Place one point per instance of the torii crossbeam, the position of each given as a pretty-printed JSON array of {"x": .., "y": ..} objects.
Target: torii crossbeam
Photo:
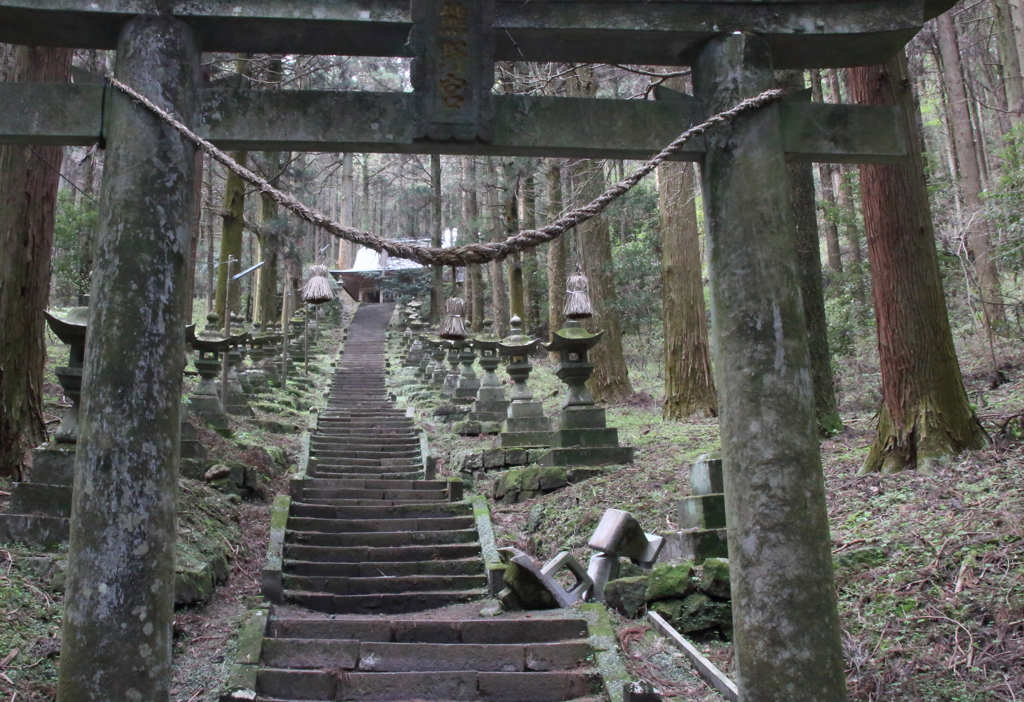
[{"x": 118, "y": 606}]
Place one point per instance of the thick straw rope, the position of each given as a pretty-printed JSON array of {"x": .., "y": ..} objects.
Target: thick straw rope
[{"x": 461, "y": 255}]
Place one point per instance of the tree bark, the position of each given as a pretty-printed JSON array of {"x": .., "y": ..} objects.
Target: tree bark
[
  {"x": 610, "y": 380},
  {"x": 499, "y": 290},
  {"x": 828, "y": 193},
  {"x": 436, "y": 238},
  {"x": 925, "y": 415},
  {"x": 978, "y": 241},
  {"x": 28, "y": 201},
  {"x": 689, "y": 377},
  {"x": 556, "y": 250},
  {"x": 270, "y": 246},
  {"x": 808, "y": 250},
  {"x": 528, "y": 221},
  {"x": 476, "y": 278},
  {"x": 229, "y": 263}
]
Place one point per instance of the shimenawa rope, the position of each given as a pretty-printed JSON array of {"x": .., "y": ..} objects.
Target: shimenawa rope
[{"x": 470, "y": 253}]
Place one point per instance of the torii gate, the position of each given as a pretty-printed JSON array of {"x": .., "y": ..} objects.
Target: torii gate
[{"x": 118, "y": 605}]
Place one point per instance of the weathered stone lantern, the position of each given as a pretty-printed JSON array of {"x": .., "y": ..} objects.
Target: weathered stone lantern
[
  {"x": 453, "y": 331},
  {"x": 209, "y": 345},
  {"x": 257, "y": 345},
  {"x": 414, "y": 352},
  {"x": 583, "y": 438},
  {"x": 72, "y": 331},
  {"x": 525, "y": 423},
  {"x": 491, "y": 404}
]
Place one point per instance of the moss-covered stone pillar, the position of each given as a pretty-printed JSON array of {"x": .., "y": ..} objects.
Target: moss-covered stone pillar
[
  {"x": 784, "y": 604},
  {"x": 118, "y": 608}
]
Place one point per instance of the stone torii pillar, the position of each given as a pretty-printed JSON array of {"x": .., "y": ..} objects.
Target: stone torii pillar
[
  {"x": 119, "y": 604},
  {"x": 785, "y": 619}
]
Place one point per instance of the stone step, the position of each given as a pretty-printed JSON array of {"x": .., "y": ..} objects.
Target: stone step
[
  {"x": 555, "y": 686},
  {"x": 370, "y": 472},
  {"x": 417, "y": 511},
  {"x": 369, "y": 526},
  {"x": 381, "y": 539},
  {"x": 361, "y": 439},
  {"x": 383, "y": 584},
  {"x": 381, "y": 452},
  {"x": 316, "y": 494},
  {"x": 393, "y": 554},
  {"x": 324, "y": 483},
  {"x": 328, "y": 472},
  {"x": 366, "y": 503},
  {"x": 461, "y": 566},
  {"x": 467, "y": 631},
  {"x": 367, "y": 462},
  {"x": 388, "y": 657},
  {"x": 381, "y": 603}
]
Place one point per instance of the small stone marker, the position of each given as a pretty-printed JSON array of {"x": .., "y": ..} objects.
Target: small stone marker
[
  {"x": 702, "y": 515},
  {"x": 640, "y": 691}
]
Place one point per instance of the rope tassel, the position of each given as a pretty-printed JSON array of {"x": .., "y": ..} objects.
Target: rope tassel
[
  {"x": 453, "y": 326},
  {"x": 317, "y": 289},
  {"x": 470, "y": 253},
  {"x": 577, "y": 300}
]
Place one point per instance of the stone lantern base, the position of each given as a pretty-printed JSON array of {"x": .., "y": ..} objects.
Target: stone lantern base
[
  {"x": 526, "y": 425},
  {"x": 584, "y": 439}
]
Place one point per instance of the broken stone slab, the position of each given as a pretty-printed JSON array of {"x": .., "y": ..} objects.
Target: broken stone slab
[
  {"x": 537, "y": 587},
  {"x": 667, "y": 582},
  {"x": 619, "y": 534},
  {"x": 601, "y": 569}
]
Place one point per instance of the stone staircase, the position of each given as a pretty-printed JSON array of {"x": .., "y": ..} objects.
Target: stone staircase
[{"x": 368, "y": 535}]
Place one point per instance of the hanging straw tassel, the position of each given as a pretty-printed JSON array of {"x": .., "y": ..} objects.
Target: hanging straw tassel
[
  {"x": 318, "y": 288},
  {"x": 577, "y": 301},
  {"x": 452, "y": 326}
]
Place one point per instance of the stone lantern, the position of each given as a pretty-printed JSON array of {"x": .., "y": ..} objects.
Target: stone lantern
[
  {"x": 490, "y": 405},
  {"x": 525, "y": 423},
  {"x": 71, "y": 330},
  {"x": 257, "y": 374},
  {"x": 414, "y": 349},
  {"x": 453, "y": 331},
  {"x": 205, "y": 402},
  {"x": 583, "y": 438}
]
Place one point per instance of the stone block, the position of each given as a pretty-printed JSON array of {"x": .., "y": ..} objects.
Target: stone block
[
  {"x": 516, "y": 457},
  {"x": 523, "y": 580},
  {"x": 696, "y": 613},
  {"x": 601, "y": 569},
  {"x": 472, "y": 462},
  {"x": 493, "y": 458},
  {"x": 552, "y": 478},
  {"x": 706, "y": 475},
  {"x": 702, "y": 512},
  {"x": 521, "y": 439},
  {"x": 695, "y": 546},
  {"x": 626, "y": 595},
  {"x": 53, "y": 466},
  {"x": 619, "y": 534},
  {"x": 467, "y": 428},
  {"x": 526, "y": 410},
  {"x": 585, "y": 438},
  {"x": 668, "y": 582},
  {"x": 34, "y": 530},
  {"x": 655, "y": 544},
  {"x": 534, "y": 455},
  {"x": 588, "y": 456},
  {"x": 714, "y": 579},
  {"x": 490, "y": 427},
  {"x": 582, "y": 418},
  {"x": 41, "y": 499}
]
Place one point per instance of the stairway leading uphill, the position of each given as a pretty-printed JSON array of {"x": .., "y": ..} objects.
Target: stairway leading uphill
[{"x": 369, "y": 536}]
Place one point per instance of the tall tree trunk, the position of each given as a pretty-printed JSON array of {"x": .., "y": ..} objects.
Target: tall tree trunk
[
  {"x": 978, "y": 240},
  {"x": 528, "y": 221},
  {"x": 689, "y": 378},
  {"x": 436, "y": 238},
  {"x": 499, "y": 291},
  {"x": 346, "y": 249},
  {"x": 556, "y": 250},
  {"x": 808, "y": 249},
  {"x": 271, "y": 230},
  {"x": 1009, "y": 59},
  {"x": 610, "y": 380},
  {"x": 925, "y": 415},
  {"x": 28, "y": 201},
  {"x": 828, "y": 193},
  {"x": 476, "y": 278},
  {"x": 229, "y": 262}
]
